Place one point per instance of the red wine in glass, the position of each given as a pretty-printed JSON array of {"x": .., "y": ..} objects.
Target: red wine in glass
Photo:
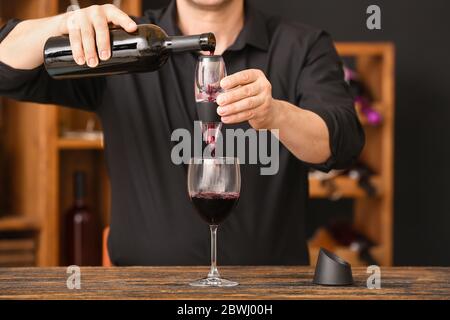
[
  {"x": 214, "y": 186},
  {"x": 214, "y": 207}
]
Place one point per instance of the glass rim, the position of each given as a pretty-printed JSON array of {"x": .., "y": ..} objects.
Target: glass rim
[
  {"x": 210, "y": 57},
  {"x": 226, "y": 160}
]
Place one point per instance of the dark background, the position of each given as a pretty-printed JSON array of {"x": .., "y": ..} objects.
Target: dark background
[{"x": 419, "y": 30}]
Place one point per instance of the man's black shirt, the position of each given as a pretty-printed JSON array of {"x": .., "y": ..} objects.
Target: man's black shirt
[{"x": 152, "y": 219}]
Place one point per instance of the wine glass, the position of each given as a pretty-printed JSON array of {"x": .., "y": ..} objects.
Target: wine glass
[
  {"x": 209, "y": 72},
  {"x": 214, "y": 186}
]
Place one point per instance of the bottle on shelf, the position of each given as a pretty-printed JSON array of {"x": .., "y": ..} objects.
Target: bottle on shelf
[
  {"x": 359, "y": 171},
  {"x": 346, "y": 235},
  {"x": 327, "y": 180},
  {"x": 82, "y": 234},
  {"x": 362, "y": 173},
  {"x": 144, "y": 50},
  {"x": 362, "y": 97}
]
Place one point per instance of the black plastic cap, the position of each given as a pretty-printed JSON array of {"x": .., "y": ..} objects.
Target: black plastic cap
[{"x": 331, "y": 270}]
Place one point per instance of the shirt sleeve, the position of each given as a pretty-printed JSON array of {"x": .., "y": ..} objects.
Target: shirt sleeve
[
  {"x": 36, "y": 85},
  {"x": 321, "y": 88}
]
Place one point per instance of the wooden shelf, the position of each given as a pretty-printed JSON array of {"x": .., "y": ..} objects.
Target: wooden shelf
[
  {"x": 79, "y": 144},
  {"x": 350, "y": 49},
  {"x": 346, "y": 187},
  {"x": 18, "y": 224}
]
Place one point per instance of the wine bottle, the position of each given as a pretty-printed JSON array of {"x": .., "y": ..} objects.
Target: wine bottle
[
  {"x": 362, "y": 173},
  {"x": 144, "y": 50},
  {"x": 81, "y": 228},
  {"x": 362, "y": 97},
  {"x": 346, "y": 235}
]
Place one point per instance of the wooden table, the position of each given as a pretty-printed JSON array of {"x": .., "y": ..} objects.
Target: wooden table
[{"x": 255, "y": 283}]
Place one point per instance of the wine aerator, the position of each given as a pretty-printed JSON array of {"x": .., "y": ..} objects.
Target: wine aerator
[
  {"x": 207, "y": 112},
  {"x": 210, "y": 131},
  {"x": 209, "y": 72}
]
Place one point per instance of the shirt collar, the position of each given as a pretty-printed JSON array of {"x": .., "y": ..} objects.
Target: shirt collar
[
  {"x": 168, "y": 20},
  {"x": 253, "y": 33}
]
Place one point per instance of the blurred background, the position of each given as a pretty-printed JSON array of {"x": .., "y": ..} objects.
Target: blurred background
[{"x": 390, "y": 209}]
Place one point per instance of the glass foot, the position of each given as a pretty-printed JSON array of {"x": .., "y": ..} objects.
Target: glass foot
[{"x": 213, "y": 282}]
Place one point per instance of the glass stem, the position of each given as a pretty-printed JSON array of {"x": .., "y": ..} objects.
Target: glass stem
[{"x": 213, "y": 273}]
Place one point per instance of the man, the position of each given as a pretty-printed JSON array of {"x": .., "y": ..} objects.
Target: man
[{"x": 283, "y": 75}]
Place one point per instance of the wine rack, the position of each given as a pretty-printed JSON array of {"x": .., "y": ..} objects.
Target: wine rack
[
  {"x": 44, "y": 158},
  {"x": 373, "y": 216}
]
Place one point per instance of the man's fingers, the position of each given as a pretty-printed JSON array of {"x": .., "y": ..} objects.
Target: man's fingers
[
  {"x": 239, "y": 93},
  {"x": 100, "y": 24},
  {"x": 119, "y": 18},
  {"x": 241, "y": 105},
  {"x": 75, "y": 41},
  {"x": 89, "y": 32},
  {"x": 246, "y": 115},
  {"x": 240, "y": 78},
  {"x": 90, "y": 52},
  {"x": 88, "y": 39}
]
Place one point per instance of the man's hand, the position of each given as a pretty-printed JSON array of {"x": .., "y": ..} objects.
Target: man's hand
[
  {"x": 248, "y": 97},
  {"x": 89, "y": 33}
]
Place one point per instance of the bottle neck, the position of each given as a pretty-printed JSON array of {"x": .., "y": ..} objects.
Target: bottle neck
[
  {"x": 202, "y": 42},
  {"x": 79, "y": 203},
  {"x": 79, "y": 191}
]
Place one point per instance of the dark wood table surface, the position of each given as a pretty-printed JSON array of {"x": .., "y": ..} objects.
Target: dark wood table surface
[{"x": 255, "y": 283}]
